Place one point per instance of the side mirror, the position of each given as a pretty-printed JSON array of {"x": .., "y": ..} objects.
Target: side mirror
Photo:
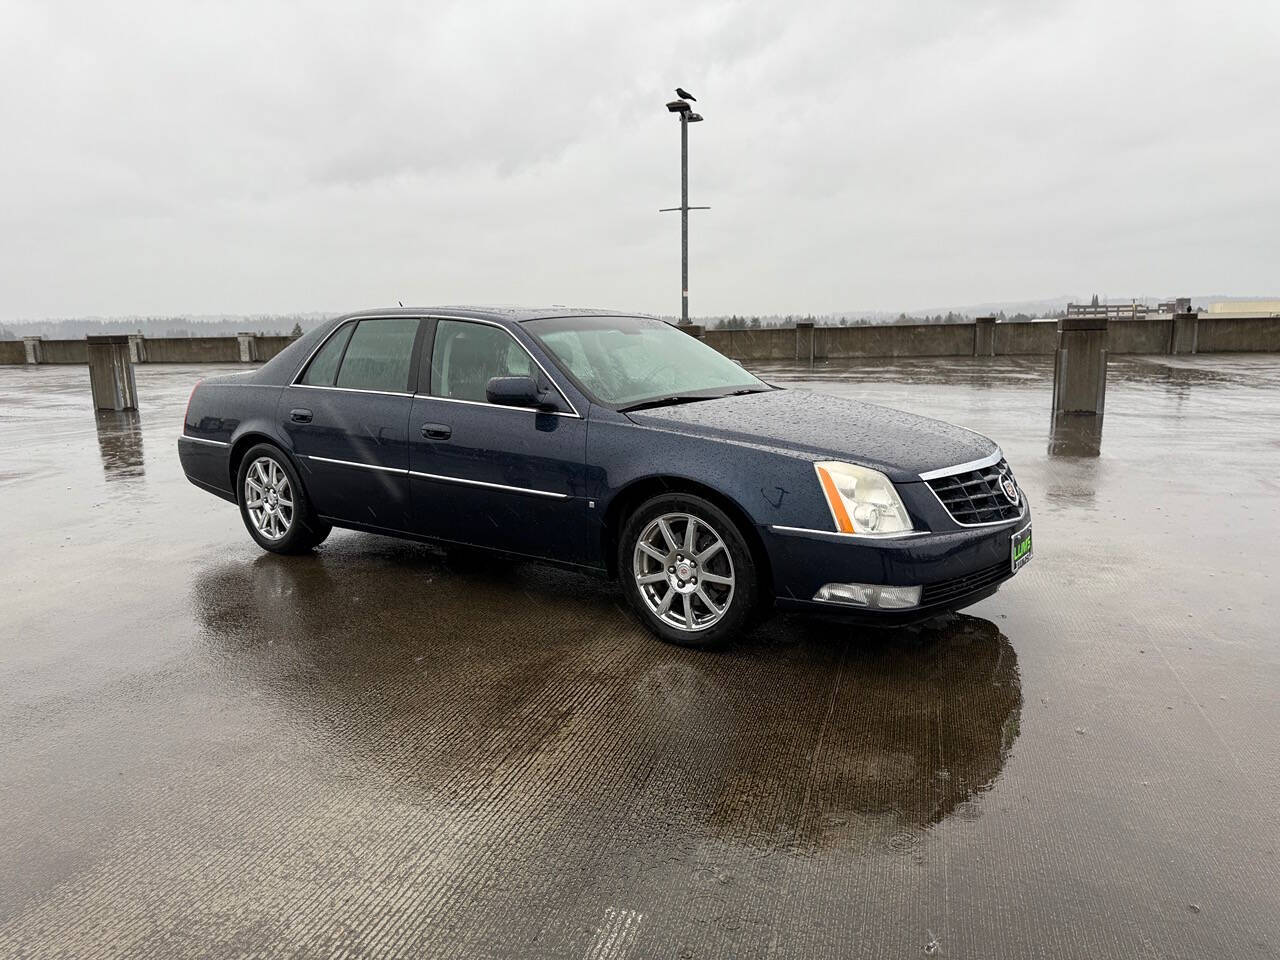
[{"x": 514, "y": 392}]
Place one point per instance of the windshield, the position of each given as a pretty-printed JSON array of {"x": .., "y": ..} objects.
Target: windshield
[{"x": 621, "y": 361}]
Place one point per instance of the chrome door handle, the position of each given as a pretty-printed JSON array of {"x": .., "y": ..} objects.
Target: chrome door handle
[{"x": 436, "y": 431}]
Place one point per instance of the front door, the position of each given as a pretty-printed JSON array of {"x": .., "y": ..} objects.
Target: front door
[
  {"x": 348, "y": 418},
  {"x": 509, "y": 478}
]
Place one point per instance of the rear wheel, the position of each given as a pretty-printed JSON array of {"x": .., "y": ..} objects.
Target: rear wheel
[
  {"x": 273, "y": 505},
  {"x": 687, "y": 570}
]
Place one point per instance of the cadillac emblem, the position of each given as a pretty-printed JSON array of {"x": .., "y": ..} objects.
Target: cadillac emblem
[{"x": 1009, "y": 488}]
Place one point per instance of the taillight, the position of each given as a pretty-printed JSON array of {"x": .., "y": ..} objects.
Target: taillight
[{"x": 189, "y": 399}]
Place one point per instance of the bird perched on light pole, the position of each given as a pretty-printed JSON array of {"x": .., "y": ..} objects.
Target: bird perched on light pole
[{"x": 684, "y": 94}]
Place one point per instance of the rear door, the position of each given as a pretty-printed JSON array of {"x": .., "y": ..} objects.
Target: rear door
[
  {"x": 509, "y": 478},
  {"x": 348, "y": 417}
]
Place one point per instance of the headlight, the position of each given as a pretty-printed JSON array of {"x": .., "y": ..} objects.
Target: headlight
[{"x": 862, "y": 501}]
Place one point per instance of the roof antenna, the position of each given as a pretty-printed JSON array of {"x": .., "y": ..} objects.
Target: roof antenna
[{"x": 401, "y": 302}]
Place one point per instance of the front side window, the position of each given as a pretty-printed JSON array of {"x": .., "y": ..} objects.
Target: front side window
[
  {"x": 324, "y": 365},
  {"x": 626, "y": 360},
  {"x": 379, "y": 355},
  {"x": 466, "y": 356}
]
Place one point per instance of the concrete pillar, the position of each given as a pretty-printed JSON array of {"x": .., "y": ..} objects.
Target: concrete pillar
[
  {"x": 32, "y": 347},
  {"x": 804, "y": 341},
  {"x": 111, "y": 373},
  {"x": 984, "y": 337},
  {"x": 1075, "y": 435},
  {"x": 1080, "y": 366},
  {"x": 137, "y": 348},
  {"x": 248, "y": 347},
  {"x": 1184, "y": 336}
]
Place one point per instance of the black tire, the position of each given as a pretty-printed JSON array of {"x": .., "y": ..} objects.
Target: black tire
[
  {"x": 733, "y": 560},
  {"x": 302, "y": 529}
]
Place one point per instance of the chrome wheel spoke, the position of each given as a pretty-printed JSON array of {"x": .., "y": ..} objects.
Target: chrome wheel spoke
[
  {"x": 646, "y": 578},
  {"x": 688, "y": 611},
  {"x": 667, "y": 535},
  {"x": 665, "y": 605},
  {"x": 710, "y": 552},
  {"x": 708, "y": 577},
  {"x": 691, "y": 535},
  {"x": 653, "y": 552},
  {"x": 708, "y": 602}
]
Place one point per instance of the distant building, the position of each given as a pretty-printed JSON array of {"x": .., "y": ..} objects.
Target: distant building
[
  {"x": 1112, "y": 311},
  {"x": 1129, "y": 311},
  {"x": 1179, "y": 305},
  {"x": 1247, "y": 308}
]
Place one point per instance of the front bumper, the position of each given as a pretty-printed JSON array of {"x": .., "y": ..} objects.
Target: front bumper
[{"x": 956, "y": 568}]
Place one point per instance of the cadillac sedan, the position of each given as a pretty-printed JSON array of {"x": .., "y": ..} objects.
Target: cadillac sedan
[{"x": 613, "y": 444}]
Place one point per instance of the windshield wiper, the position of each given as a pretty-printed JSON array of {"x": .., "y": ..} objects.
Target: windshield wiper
[{"x": 670, "y": 401}]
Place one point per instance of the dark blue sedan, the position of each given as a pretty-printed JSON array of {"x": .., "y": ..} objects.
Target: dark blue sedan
[{"x": 615, "y": 444}]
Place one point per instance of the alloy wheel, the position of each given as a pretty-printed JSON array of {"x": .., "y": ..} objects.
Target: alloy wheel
[
  {"x": 268, "y": 497},
  {"x": 683, "y": 571}
]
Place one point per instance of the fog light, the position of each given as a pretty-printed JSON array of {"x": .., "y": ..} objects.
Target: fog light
[
  {"x": 869, "y": 595},
  {"x": 898, "y": 598},
  {"x": 854, "y": 593}
]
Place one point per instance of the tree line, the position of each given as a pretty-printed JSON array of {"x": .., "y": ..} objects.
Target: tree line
[{"x": 293, "y": 324}]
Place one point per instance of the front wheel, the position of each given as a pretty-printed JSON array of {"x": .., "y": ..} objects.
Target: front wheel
[
  {"x": 687, "y": 570},
  {"x": 273, "y": 505}
]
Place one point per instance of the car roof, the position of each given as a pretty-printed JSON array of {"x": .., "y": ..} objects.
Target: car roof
[{"x": 498, "y": 314}]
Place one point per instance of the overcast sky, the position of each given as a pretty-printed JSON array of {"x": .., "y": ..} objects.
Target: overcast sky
[{"x": 166, "y": 157}]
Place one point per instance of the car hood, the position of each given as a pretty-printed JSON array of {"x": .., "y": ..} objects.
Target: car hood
[{"x": 899, "y": 444}]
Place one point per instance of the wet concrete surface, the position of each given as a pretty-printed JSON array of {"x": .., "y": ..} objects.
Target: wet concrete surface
[{"x": 373, "y": 751}]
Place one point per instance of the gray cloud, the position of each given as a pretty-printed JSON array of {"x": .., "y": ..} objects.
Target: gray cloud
[{"x": 254, "y": 156}]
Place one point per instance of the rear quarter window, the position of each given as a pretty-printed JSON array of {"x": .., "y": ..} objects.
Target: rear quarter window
[{"x": 323, "y": 367}]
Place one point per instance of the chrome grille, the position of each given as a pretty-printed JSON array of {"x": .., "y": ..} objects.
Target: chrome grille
[{"x": 974, "y": 496}]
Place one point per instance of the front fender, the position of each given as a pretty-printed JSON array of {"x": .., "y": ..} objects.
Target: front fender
[{"x": 769, "y": 485}]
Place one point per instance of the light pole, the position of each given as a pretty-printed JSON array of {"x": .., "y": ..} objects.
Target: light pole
[{"x": 687, "y": 116}]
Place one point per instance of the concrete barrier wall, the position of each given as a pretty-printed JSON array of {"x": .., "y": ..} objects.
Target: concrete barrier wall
[
  {"x": 905, "y": 340},
  {"x": 753, "y": 344},
  {"x": 1207, "y": 334},
  {"x": 1237, "y": 334},
  {"x": 268, "y": 347},
  {"x": 1140, "y": 336},
  {"x": 1024, "y": 338},
  {"x": 63, "y": 351},
  {"x": 151, "y": 350},
  {"x": 1153, "y": 336},
  {"x": 192, "y": 349}
]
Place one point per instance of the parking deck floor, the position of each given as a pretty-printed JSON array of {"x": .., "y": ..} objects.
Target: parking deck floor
[{"x": 375, "y": 751}]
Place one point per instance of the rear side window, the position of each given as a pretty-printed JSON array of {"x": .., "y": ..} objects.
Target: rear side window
[
  {"x": 379, "y": 354},
  {"x": 466, "y": 355},
  {"x": 324, "y": 365}
]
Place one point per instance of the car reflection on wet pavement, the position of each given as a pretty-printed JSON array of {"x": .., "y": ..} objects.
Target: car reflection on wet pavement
[{"x": 377, "y": 750}]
